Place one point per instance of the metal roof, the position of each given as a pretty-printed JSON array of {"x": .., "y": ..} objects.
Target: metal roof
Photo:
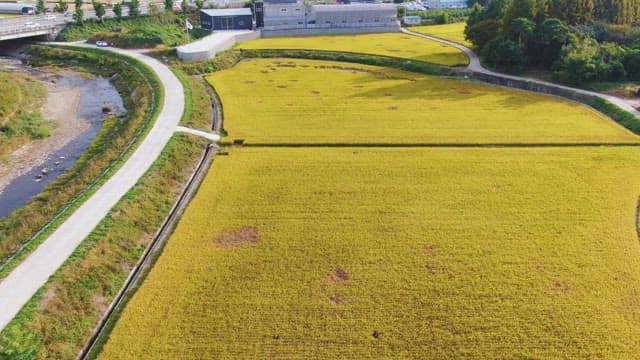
[{"x": 227, "y": 12}]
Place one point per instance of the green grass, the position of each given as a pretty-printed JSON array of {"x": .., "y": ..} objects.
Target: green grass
[
  {"x": 398, "y": 253},
  {"x": 198, "y": 111},
  {"x": 453, "y": 32},
  {"x": 21, "y": 119},
  {"x": 58, "y": 320},
  {"x": 291, "y": 101},
  {"x": 394, "y": 44},
  {"x": 146, "y": 31}
]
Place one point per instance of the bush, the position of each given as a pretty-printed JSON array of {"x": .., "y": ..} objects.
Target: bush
[{"x": 503, "y": 53}]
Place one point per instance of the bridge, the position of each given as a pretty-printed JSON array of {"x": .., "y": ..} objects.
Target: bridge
[{"x": 49, "y": 30}]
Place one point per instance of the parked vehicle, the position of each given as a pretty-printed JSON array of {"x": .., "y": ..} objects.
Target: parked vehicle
[{"x": 101, "y": 43}]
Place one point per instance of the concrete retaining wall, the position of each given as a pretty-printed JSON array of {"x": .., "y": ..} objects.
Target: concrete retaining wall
[
  {"x": 524, "y": 84},
  {"x": 209, "y": 46},
  {"x": 329, "y": 31}
]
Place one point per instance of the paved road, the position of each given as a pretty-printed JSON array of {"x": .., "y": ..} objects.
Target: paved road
[
  {"x": 17, "y": 288},
  {"x": 476, "y": 67},
  {"x": 204, "y": 134}
]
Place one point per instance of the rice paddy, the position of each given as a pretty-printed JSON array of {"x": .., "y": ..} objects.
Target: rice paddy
[
  {"x": 389, "y": 44},
  {"x": 453, "y": 32},
  {"x": 355, "y": 238},
  {"x": 398, "y": 253},
  {"x": 280, "y": 101}
]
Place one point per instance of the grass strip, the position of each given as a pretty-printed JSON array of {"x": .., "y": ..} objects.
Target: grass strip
[
  {"x": 622, "y": 117},
  {"x": 60, "y": 318}
]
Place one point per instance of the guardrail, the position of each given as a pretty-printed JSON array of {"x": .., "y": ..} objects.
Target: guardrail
[{"x": 28, "y": 29}]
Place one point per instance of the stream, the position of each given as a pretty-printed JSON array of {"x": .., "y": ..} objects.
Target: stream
[{"x": 94, "y": 93}]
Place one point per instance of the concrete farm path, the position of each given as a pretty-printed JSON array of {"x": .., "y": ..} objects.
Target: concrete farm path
[
  {"x": 25, "y": 280},
  {"x": 476, "y": 67}
]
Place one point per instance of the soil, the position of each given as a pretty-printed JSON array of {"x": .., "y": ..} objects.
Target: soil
[
  {"x": 339, "y": 275},
  {"x": 240, "y": 237},
  {"x": 61, "y": 107}
]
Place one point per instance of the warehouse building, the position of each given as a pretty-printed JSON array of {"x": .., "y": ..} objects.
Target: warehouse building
[
  {"x": 226, "y": 19},
  {"x": 298, "y": 18}
]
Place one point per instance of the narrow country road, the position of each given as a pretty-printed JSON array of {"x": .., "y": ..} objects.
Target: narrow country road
[
  {"x": 476, "y": 67},
  {"x": 23, "y": 282}
]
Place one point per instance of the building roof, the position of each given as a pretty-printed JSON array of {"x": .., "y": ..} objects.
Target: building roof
[
  {"x": 353, "y": 7},
  {"x": 280, "y": 1},
  {"x": 227, "y": 12}
]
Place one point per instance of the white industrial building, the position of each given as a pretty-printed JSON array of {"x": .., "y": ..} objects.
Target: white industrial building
[{"x": 284, "y": 15}]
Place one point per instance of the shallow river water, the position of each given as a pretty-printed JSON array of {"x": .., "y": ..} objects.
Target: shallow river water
[{"x": 94, "y": 93}]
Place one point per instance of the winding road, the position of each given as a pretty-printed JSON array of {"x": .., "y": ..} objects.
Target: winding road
[
  {"x": 476, "y": 67},
  {"x": 25, "y": 280}
]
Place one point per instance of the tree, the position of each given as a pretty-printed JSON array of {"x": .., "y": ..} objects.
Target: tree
[
  {"x": 503, "y": 53},
  {"x": 134, "y": 8},
  {"x": 168, "y": 4},
  {"x": 199, "y": 4},
  {"x": 518, "y": 9},
  {"x": 39, "y": 6},
  {"x": 61, "y": 6},
  {"x": 521, "y": 31},
  {"x": 98, "y": 7},
  {"x": 78, "y": 14},
  {"x": 117, "y": 10},
  {"x": 402, "y": 11},
  {"x": 483, "y": 32},
  {"x": 547, "y": 42},
  {"x": 184, "y": 6}
]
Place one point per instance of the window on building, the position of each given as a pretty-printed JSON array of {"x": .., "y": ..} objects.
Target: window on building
[
  {"x": 298, "y": 9},
  {"x": 299, "y": 22},
  {"x": 283, "y": 9},
  {"x": 360, "y": 20}
]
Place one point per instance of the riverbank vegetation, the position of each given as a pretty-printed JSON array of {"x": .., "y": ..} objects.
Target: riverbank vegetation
[
  {"x": 58, "y": 321},
  {"x": 164, "y": 29},
  {"x": 142, "y": 96},
  {"x": 21, "y": 119}
]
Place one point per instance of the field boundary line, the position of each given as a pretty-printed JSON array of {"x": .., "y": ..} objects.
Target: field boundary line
[
  {"x": 435, "y": 145},
  {"x": 149, "y": 257}
]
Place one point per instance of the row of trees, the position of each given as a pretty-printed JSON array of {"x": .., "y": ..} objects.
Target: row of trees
[
  {"x": 575, "y": 12},
  {"x": 513, "y": 34},
  {"x": 133, "y": 5}
]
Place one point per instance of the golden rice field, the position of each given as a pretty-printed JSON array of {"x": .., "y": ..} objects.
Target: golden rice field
[
  {"x": 422, "y": 253},
  {"x": 303, "y": 101},
  {"x": 389, "y": 44},
  {"x": 453, "y": 32}
]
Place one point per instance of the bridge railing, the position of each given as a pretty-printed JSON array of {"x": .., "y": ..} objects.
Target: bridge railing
[{"x": 27, "y": 29}]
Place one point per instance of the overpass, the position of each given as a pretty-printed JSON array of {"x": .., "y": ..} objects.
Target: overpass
[{"x": 17, "y": 32}]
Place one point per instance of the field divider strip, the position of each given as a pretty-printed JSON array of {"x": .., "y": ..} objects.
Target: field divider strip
[
  {"x": 430, "y": 145},
  {"x": 149, "y": 257}
]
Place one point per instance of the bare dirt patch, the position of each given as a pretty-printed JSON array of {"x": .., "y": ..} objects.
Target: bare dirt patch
[
  {"x": 339, "y": 275},
  {"x": 337, "y": 299},
  {"x": 430, "y": 249},
  {"x": 100, "y": 303},
  {"x": 246, "y": 236},
  {"x": 392, "y": 108},
  {"x": 48, "y": 295}
]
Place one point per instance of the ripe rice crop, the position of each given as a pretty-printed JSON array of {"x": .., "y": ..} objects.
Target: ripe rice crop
[
  {"x": 306, "y": 101},
  {"x": 394, "y": 44},
  {"x": 297, "y": 253},
  {"x": 453, "y": 32}
]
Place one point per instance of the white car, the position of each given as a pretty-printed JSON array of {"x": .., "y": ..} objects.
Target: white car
[
  {"x": 49, "y": 17},
  {"x": 101, "y": 43},
  {"x": 31, "y": 24}
]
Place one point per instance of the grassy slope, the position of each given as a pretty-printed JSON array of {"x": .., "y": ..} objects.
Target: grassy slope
[
  {"x": 292, "y": 102},
  {"x": 59, "y": 319},
  {"x": 396, "y": 45},
  {"x": 453, "y": 32},
  {"x": 146, "y": 31},
  {"x": 458, "y": 253},
  {"x": 20, "y": 117}
]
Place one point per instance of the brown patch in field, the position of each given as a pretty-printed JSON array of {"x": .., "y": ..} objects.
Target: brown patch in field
[
  {"x": 358, "y": 86},
  {"x": 388, "y": 94},
  {"x": 282, "y": 86},
  {"x": 337, "y": 299},
  {"x": 561, "y": 286},
  {"x": 464, "y": 92},
  {"x": 249, "y": 82},
  {"x": 264, "y": 71},
  {"x": 433, "y": 108},
  {"x": 315, "y": 92},
  {"x": 48, "y": 295},
  {"x": 339, "y": 275},
  {"x": 431, "y": 269},
  {"x": 289, "y": 104},
  {"x": 430, "y": 249},
  {"x": 245, "y": 236},
  {"x": 376, "y": 334},
  {"x": 392, "y": 108}
]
